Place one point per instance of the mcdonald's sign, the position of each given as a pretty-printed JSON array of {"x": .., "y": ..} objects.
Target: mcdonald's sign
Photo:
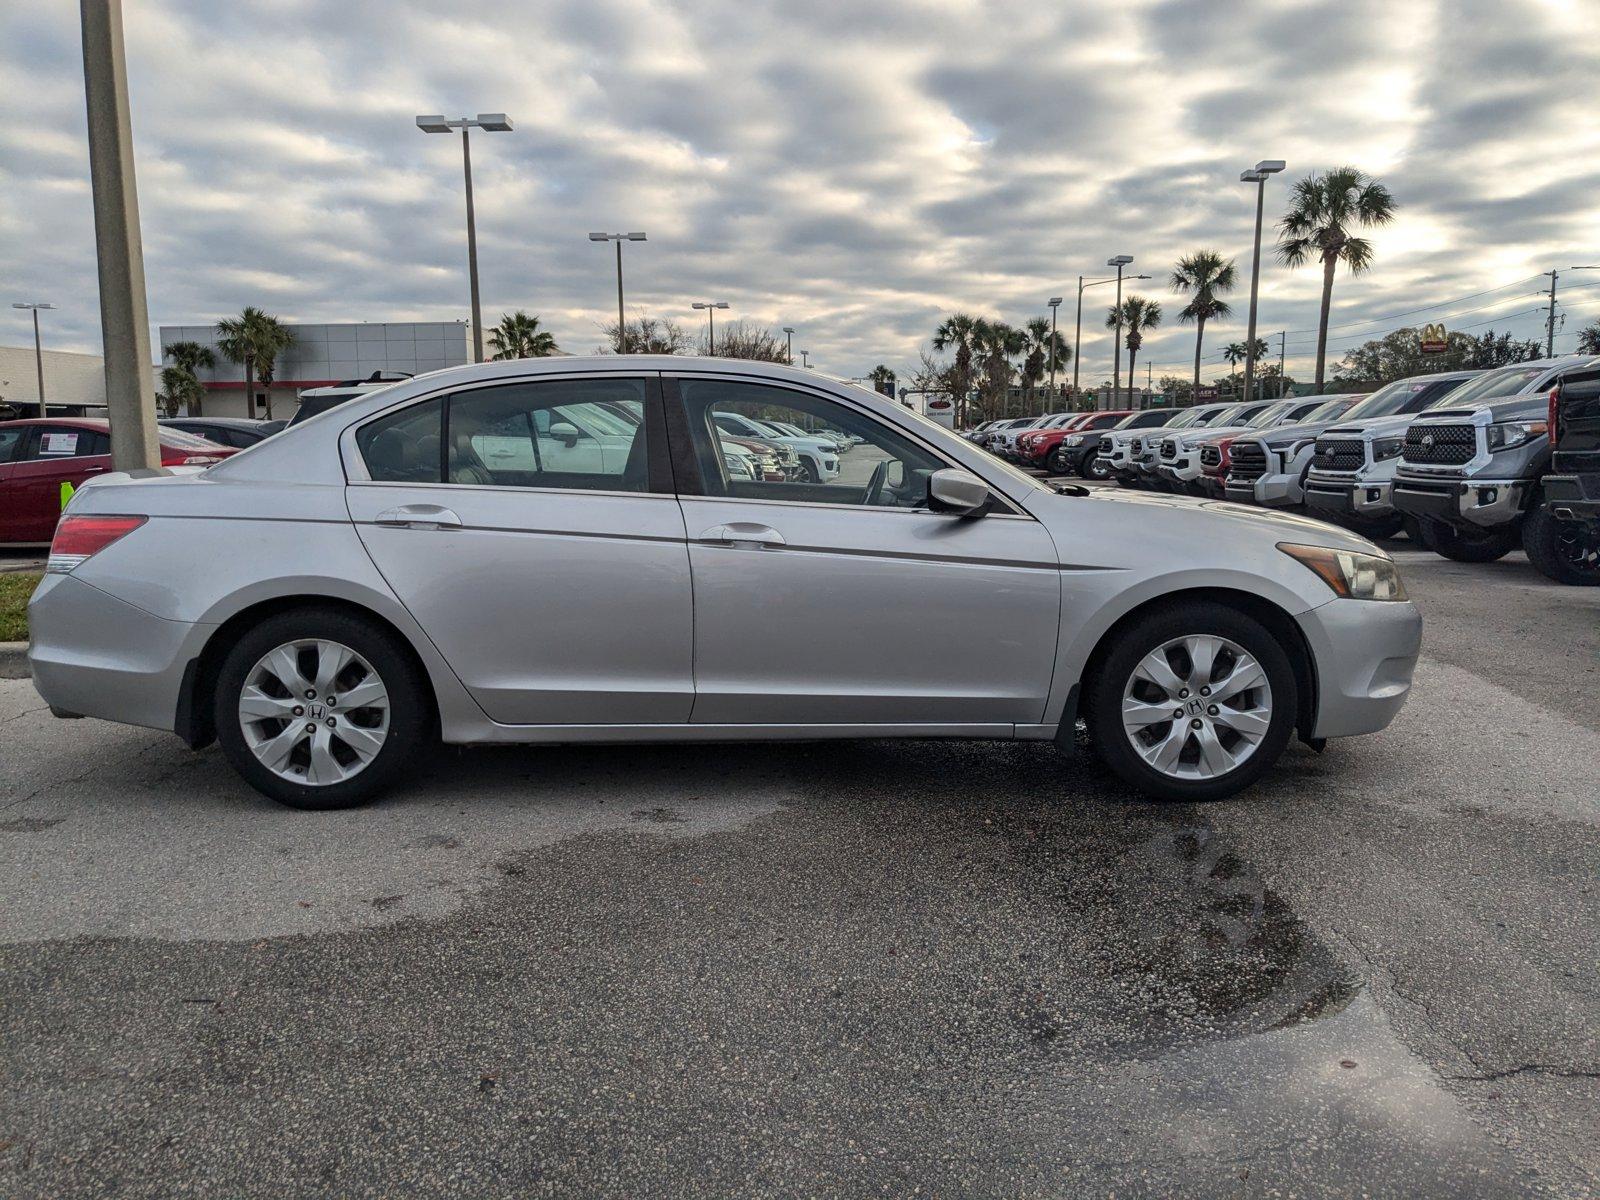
[{"x": 1434, "y": 339}]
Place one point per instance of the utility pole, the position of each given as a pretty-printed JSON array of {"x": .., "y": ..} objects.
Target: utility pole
[
  {"x": 124, "y": 319},
  {"x": 1550, "y": 321},
  {"x": 1283, "y": 383}
]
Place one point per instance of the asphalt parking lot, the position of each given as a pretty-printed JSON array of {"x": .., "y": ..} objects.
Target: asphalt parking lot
[{"x": 832, "y": 969}]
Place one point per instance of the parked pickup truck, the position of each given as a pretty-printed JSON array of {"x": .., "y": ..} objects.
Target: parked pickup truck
[
  {"x": 1471, "y": 473},
  {"x": 1132, "y": 454},
  {"x": 1178, "y": 461},
  {"x": 1572, "y": 487},
  {"x": 1353, "y": 462},
  {"x": 1269, "y": 468},
  {"x": 1216, "y": 452}
]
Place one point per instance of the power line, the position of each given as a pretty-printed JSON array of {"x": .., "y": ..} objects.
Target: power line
[{"x": 1424, "y": 308}]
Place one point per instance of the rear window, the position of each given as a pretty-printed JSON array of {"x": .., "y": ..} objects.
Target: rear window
[{"x": 180, "y": 439}]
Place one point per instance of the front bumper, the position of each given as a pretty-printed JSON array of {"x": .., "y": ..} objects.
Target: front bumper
[
  {"x": 1269, "y": 491},
  {"x": 1573, "y": 497},
  {"x": 94, "y": 655},
  {"x": 1365, "y": 653},
  {"x": 1353, "y": 497},
  {"x": 1483, "y": 502}
]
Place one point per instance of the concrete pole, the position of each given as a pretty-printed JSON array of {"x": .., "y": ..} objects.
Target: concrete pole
[
  {"x": 1077, "y": 339},
  {"x": 472, "y": 248},
  {"x": 1053, "y": 308},
  {"x": 622, "y": 320},
  {"x": 124, "y": 320},
  {"x": 38, "y": 360},
  {"x": 1255, "y": 280},
  {"x": 1116, "y": 369},
  {"x": 1550, "y": 321}
]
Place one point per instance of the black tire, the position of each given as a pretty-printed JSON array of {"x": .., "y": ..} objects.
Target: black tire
[
  {"x": 1104, "y": 692},
  {"x": 411, "y": 720},
  {"x": 1565, "y": 551},
  {"x": 1376, "y": 528},
  {"x": 808, "y": 473},
  {"x": 1412, "y": 527},
  {"x": 1094, "y": 466},
  {"x": 1460, "y": 546}
]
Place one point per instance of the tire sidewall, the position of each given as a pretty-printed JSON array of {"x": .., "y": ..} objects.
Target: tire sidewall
[
  {"x": 410, "y": 714},
  {"x": 1154, "y": 629},
  {"x": 1540, "y": 531}
]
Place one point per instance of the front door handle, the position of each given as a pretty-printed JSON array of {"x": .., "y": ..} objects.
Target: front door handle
[
  {"x": 418, "y": 516},
  {"x": 743, "y": 533}
]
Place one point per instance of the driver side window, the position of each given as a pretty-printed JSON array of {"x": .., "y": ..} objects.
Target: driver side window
[{"x": 768, "y": 443}]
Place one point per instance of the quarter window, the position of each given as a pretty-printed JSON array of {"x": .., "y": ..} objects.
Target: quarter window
[{"x": 767, "y": 443}]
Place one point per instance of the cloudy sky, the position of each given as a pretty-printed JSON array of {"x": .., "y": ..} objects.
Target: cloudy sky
[{"x": 856, "y": 169}]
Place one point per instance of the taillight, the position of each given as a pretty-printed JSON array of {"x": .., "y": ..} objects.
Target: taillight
[
  {"x": 1554, "y": 416},
  {"x": 80, "y": 538}
]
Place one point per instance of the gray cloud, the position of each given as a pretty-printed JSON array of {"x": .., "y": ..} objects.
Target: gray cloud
[{"x": 855, "y": 170}]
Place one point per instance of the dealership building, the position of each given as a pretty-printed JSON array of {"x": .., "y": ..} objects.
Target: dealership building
[{"x": 322, "y": 355}]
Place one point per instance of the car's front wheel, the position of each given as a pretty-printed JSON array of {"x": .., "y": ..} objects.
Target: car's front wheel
[
  {"x": 1194, "y": 702},
  {"x": 1095, "y": 467},
  {"x": 320, "y": 709}
]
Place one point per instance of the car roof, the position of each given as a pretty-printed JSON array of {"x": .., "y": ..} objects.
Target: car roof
[
  {"x": 224, "y": 422},
  {"x": 96, "y": 423}
]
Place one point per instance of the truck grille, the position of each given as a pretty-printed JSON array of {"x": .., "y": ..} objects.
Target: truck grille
[
  {"x": 1210, "y": 456},
  {"x": 1249, "y": 461},
  {"x": 1169, "y": 448},
  {"x": 1440, "y": 445},
  {"x": 1339, "y": 454}
]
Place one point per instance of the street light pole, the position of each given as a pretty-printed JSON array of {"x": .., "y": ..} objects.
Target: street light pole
[
  {"x": 622, "y": 320},
  {"x": 492, "y": 123},
  {"x": 711, "y": 307},
  {"x": 1258, "y": 176},
  {"x": 1077, "y": 337},
  {"x": 38, "y": 350},
  {"x": 1055, "y": 303},
  {"x": 788, "y": 335},
  {"x": 124, "y": 318},
  {"x": 805, "y": 359},
  {"x": 1120, "y": 261}
]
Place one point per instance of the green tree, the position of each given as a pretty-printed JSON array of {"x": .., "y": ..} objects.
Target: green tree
[
  {"x": 180, "y": 383},
  {"x": 1135, "y": 314},
  {"x": 254, "y": 339},
  {"x": 1039, "y": 342},
  {"x": 996, "y": 345},
  {"x": 882, "y": 380},
  {"x": 648, "y": 335},
  {"x": 1324, "y": 210},
  {"x": 1589, "y": 339},
  {"x": 518, "y": 336},
  {"x": 958, "y": 333},
  {"x": 1399, "y": 354},
  {"x": 1204, "y": 276},
  {"x": 747, "y": 340}
]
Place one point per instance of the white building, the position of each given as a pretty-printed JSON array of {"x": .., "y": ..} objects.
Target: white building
[
  {"x": 73, "y": 383},
  {"x": 325, "y": 354}
]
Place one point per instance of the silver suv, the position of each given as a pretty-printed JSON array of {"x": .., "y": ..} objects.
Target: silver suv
[{"x": 445, "y": 559}]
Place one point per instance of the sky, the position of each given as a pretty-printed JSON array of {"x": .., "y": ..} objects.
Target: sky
[{"x": 857, "y": 170}]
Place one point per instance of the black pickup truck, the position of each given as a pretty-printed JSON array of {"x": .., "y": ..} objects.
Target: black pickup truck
[{"x": 1572, "y": 486}]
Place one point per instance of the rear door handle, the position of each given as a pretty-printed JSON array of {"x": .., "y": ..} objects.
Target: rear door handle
[
  {"x": 743, "y": 533},
  {"x": 418, "y": 516}
]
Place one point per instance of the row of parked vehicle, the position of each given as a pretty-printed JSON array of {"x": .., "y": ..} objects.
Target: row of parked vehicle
[{"x": 1471, "y": 464}]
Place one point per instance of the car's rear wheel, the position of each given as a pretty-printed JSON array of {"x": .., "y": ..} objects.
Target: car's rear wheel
[
  {"x": 1479, "y": 546},
  {"x": 1565, "y": 551},
  {"x": 320, "y": 709},
  {"x": 1194, "y": 702}
]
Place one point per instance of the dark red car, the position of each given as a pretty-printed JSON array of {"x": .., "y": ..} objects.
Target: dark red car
[
  {"x": 38, "y": 456},
  {"x": 1038, "y": 448}
]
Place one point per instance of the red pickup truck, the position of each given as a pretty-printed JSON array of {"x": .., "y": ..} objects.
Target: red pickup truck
[
  {"x": 1041, "y": 449},
  {"x": 38, "y": 456}
]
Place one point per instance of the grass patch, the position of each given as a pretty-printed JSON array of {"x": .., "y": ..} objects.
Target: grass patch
[{"x": 14, "y": 592}]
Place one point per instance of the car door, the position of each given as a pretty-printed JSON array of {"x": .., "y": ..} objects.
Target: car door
[
  {"x": 12, "y": 440},
  {"x": 50, "y": 456},
  {"x": 558, "y": 591},
  {"x": 850, "y": 601}
]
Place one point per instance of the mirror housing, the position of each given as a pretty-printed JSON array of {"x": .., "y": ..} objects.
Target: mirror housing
[
  {"x": 565, "y": 431},
  {"x": 951, "y": 490}
]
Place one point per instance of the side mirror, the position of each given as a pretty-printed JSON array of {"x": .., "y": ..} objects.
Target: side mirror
[
  {"x": 956, "y": 491},
  {"x": 565, "y": 431}
]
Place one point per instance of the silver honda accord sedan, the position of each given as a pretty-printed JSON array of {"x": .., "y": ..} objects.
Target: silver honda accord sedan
[{"x": 556, "y": 550}]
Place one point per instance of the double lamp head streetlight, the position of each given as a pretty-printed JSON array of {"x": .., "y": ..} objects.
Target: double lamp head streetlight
[
  {"x": 622, "y": 319},
  {"x": 710, "y": 307},
  {"x": 492, "y": 123}
]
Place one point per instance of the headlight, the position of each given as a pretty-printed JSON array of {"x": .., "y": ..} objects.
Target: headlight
[
  {"x": 1387, "y": 448},
  {"x": 1351, "y": 575},
  {"x": 1075, "y": 439},
  {"x": 1515, "y": 433}
]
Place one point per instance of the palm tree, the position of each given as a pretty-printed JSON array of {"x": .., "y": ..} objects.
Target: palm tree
[
  {"x": 1323, "y": 209},
  {"x": 996, "y": 343},
  {"x": 881, "y": 376},
  {"x": 518, "y": 336},
  {"x": 1135, "y": 315},
  {"x": 1040, "y": 342},
  {"x": 1205, "y": 275},
  {"x": 184, "y": 386},
  {"x": 1238, "y": 352},
  {"x": 254, "y": 339},
  {"x": 958, "y": 332}
]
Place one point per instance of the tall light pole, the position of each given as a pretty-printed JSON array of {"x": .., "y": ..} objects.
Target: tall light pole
[
  {"x": 805, "y": 359},
  {"x": 491, "y": 123},
  {"x": 124, "y": 318},
  {"x": 1077, "y": 337},
  {"x": 788, "y": 337},
  {"x": 1257, "y": 176},
  {"x": 1119, "y": 261},
  {"x": 1054, "y": 302},
  {"x": 38, "y": 351},
  {"x": 622, "y": 320},
  {"x": 710, "y": 307},
  {"x": 1283, "y": 386}
]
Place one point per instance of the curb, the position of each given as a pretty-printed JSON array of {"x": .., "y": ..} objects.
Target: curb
[{"x": 14, "y": 661}]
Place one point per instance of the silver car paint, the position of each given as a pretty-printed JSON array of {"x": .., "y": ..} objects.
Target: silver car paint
[{"x": 914, "y": 595}]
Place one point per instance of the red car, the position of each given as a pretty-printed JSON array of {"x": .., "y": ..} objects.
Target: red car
[
  {"x": 38, "y": 456},
  {"x": 1216, "y": 458},
  {"x": 1036, "y": 448}
]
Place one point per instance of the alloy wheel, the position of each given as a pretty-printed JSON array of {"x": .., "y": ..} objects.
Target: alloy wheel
[
  {"x": 314, "y": 712},
  {"x": 1197, "y": 707}
]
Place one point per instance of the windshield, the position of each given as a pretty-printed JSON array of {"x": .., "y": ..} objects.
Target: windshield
[
  {"x": 1191, "y": 417},
  {"x": 1330, "y": 411},
  {"x": 1269, "y": 415},
  {"x": 1496, "y": 385},
  {"x": 1401, "y": 396}
]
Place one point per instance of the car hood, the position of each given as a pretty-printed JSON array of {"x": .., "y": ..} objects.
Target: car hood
[
  {"x": 1377, "y": 427},
  {"x": 1206, "y": 435},
  {"x": 1221, "y": 519},
  {"x": 1287, "y": 435},
  {"x": 1514, "y": 408}
]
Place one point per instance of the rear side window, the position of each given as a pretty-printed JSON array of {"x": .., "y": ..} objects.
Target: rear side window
[
  {"x": 586, "y": 434},
  {"x": 404, "y": 447},
  {"x": 10, "y": 439}
]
